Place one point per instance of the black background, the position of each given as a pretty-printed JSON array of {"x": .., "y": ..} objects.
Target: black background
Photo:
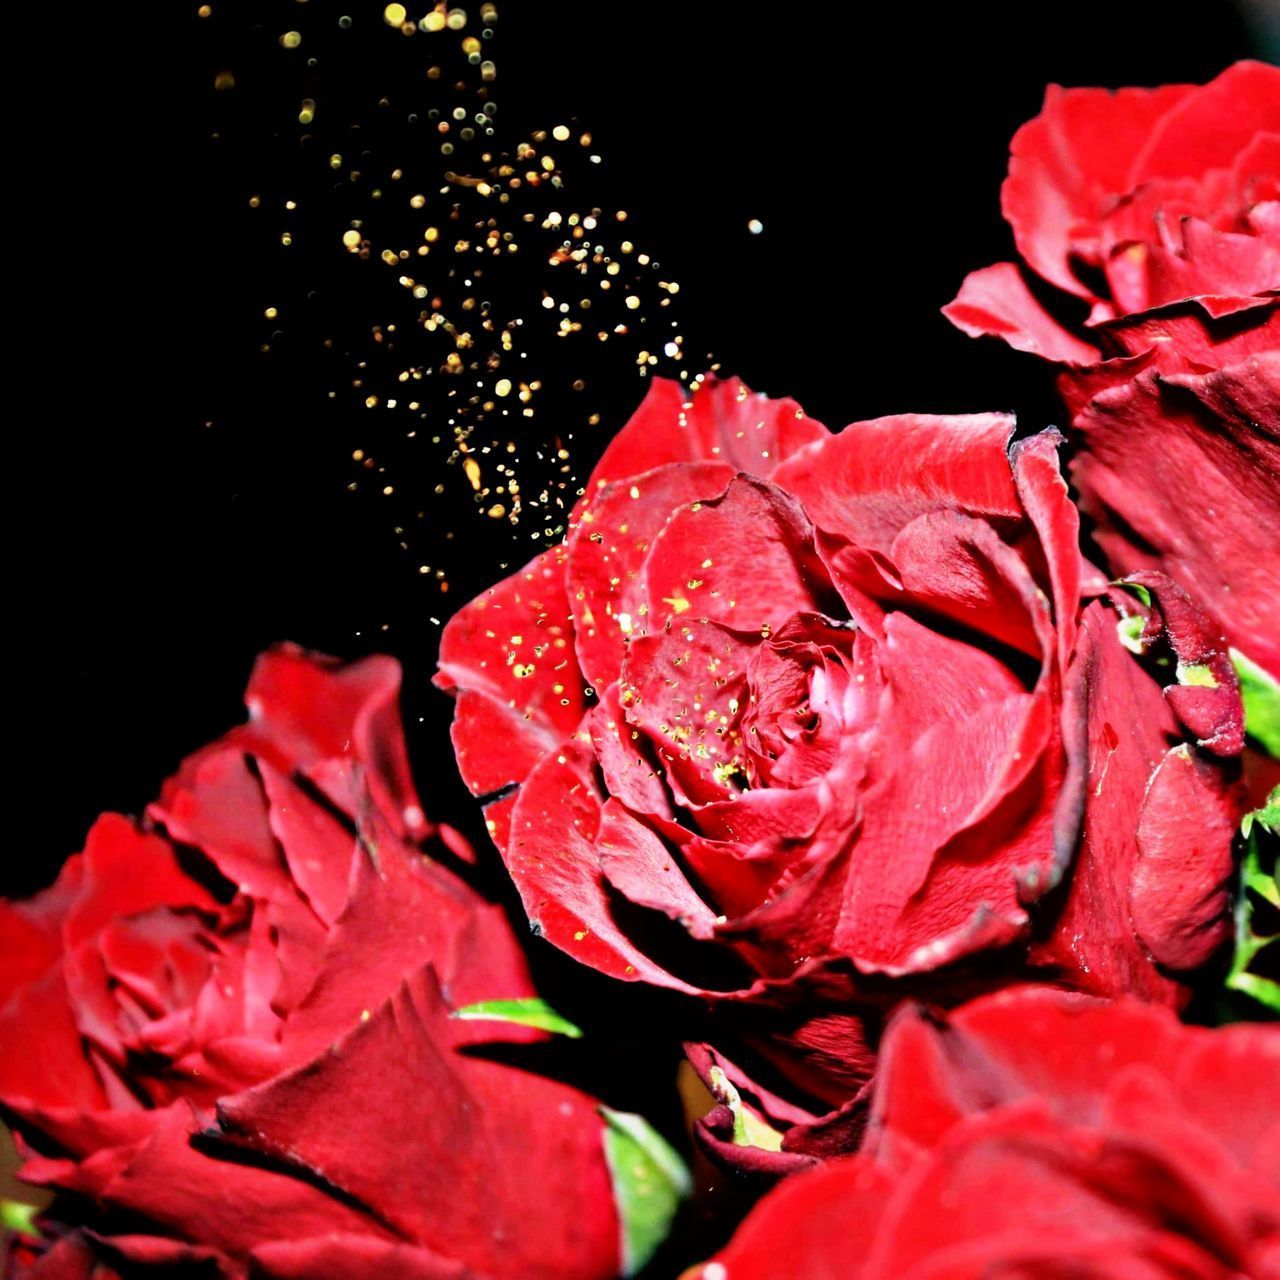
[
  {"x": 155, "y": 555},
  {"x": 179, "y": 500}
]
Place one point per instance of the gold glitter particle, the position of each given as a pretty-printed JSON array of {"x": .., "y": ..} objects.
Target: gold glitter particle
[
  {"x": 455, "y": 357},
  {"x": 291, "y": 39},
  {"x": 223, "y": 81}
]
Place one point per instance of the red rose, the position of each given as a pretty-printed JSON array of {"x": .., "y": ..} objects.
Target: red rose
[
  {"x": 1160, "y": 209},
  {"x": 834, "y": 705},
  {"x": 1035, "y": 1133},
  {"x": 231, "y": 1028}
]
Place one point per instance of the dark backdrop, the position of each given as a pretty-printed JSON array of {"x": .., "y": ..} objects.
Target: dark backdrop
[
  {"x": 155, "y": 554},
  {"x": 180, "y": 497}
]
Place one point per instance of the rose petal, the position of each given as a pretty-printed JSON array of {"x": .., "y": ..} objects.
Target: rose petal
[
  {"x": 316, "y": 846},
  {"x": 313, "y": 715},
  {"x": 40, "y": 1014},
  {"x": 215, "y": 804},
  {"x": 1208, "y": 128},
  {"x": 1117, "y": 727},
  {"x": 637, "y": 863},
  {"x": 508, "y": 659},
  {"x": 995, "y": 302},
  {"x": 1183, "y": 475},
  {"x": 403, "y": 912},
  {"x": 768, "y": 1246},
  {"x": 695, "y": 564},
  {"x": 338, "y": 1257},
  {"x": 503, "y": 1144},
  {"x": 1065, "y": 162},
  {"x": 126, "y": 871},
  {"x": 607, "y": 550},
  {"x": 720, "y": 421},
  {"x": 71, "y": 1258},
  {"x": 553, "y": 860},
  {"x": 224, "y": 1204},
  {"x": 944, "y": 693},
  {"x": 874, "y": 478},
  {"x": 1180, "y": 897}
]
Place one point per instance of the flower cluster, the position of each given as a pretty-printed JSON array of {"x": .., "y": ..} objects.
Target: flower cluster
[{"x": 935, "y": 804}]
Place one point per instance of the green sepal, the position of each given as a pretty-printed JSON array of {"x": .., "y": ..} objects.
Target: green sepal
[
  {"x": 1257, "y": 879},
  {"x": 1197, "y": 674},
  {"x": 528, "y": 1011},
  {"x": 649, "y": 1182},
  {"x": 1134, "y": 589},
  {"x": 1130, "y": 630},
  {"x": 1260, "y": 694},
  {"x": 748, "y": 1129},
  {"x": 19, "y": 1217}
]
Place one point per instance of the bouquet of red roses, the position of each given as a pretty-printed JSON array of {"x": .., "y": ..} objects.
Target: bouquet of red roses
[{"x": 925, "y": 770}]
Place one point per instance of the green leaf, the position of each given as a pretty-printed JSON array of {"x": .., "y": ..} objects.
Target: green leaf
[
  {"x": 1261, "y": 695},
  {"x": 1257, "y": 879},
  {"x": 528, "y": 1011},
  {"x": 19, "y": 1217},
  {"x": 649, "y": 1182}
]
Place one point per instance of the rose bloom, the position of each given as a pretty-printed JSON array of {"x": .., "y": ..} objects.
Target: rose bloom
[
  {"x": 229, "y": 1032},
  {"x": 1157, "y": 213},
  {"x": 1035, "y": 1133},
  {"x": 803, "y": 722}
]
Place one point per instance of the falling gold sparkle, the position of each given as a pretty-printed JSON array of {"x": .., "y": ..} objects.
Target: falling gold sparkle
[{"x": 498, "y": 296}]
